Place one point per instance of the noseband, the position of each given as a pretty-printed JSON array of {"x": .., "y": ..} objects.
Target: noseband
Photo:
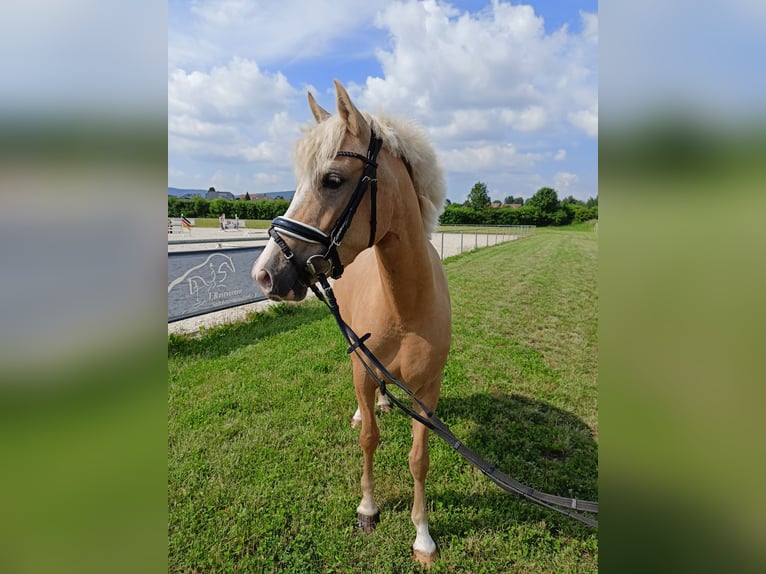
[{"x": 292, "y": 228}]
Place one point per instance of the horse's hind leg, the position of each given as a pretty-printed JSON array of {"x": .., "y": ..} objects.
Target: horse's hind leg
[
  {"x": 356, "y": 419},
  {"x": 424, "y": 547},
  {"x": 383, "y": 404},
  {"x": 367, "y": 511}
]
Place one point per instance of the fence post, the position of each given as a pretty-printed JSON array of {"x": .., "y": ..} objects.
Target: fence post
[
  {"x": 461, "y": 241},
  {"x": 442, "y": 254}
]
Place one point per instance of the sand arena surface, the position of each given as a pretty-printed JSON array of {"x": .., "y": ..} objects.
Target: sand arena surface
[{"x": 447, "y": 244}]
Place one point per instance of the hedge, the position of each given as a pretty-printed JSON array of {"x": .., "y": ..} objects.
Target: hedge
[
  {"x": 455, "y": 214},
  {"x": 201, "y": 207}
]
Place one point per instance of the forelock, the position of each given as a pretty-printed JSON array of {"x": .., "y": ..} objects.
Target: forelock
[{"x": 319, "y": 145}]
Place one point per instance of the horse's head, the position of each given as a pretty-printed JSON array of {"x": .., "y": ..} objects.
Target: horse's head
[{"x": 334, "y": 214}]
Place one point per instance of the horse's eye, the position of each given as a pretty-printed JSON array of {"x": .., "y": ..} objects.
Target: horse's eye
[{"x": 332, "y": 181}]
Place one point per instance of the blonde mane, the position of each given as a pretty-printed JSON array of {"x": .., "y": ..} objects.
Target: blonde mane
[{"x": 402, "y": 138}]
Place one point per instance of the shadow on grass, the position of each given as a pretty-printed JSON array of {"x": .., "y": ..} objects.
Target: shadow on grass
[
  {"x": 223, "y": 339},
  {"x": 532, "y": 441}
]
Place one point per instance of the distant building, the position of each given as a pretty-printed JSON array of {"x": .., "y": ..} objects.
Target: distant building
[
  {"x": 212, "y": 194},
  {"x": 273, "y": 195}
]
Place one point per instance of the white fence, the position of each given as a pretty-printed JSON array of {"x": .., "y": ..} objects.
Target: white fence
[
  {"x": 455, "y": 239},
  {"x": 448, "y": 241}
]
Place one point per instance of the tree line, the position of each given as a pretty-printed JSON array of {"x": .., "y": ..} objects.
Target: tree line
[
  {"x": 543, "y": 208},
  {"x": 201, "y": 207}
]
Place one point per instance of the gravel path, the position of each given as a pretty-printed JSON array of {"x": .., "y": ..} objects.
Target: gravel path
[{"x": 447, "y": 244}]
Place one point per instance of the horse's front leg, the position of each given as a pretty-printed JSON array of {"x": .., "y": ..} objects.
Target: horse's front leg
[
  {"x": 424, "y": 547},
  {"x": 383, "y": 404},
  {"x": 367, "y": 512}
]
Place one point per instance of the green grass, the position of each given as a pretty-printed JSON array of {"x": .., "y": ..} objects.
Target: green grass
[
  {"x": 264, "y": 468},
  {"x": 583, "y": 226},
  {"x": 212, "y": 222},
  {"x": 478, "y": 228}
]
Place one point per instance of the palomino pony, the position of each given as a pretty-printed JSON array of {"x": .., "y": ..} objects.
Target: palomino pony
[{"x": 369, "y": 191}]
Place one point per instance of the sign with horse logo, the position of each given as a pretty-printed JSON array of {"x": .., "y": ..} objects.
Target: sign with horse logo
[{"x": 203, "y": 281}]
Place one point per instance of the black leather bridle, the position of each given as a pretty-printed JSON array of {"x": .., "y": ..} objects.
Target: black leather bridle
[{"x": 329, "y": 263}]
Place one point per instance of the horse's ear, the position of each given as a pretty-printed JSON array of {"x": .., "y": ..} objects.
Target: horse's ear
[
  {"x": 320, "y": 114},
  {"x": 347, "y": 110}
]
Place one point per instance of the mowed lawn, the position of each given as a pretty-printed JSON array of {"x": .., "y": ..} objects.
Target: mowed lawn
[{"x": 264, "y": 468}]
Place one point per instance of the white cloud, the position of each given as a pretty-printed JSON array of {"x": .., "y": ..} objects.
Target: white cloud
[
  {"x": 482, "y": 157},
  {"x": 563, "y": 181},
  {"x": 223, "y": 13},
  {"x": 263, "y": 30},
  {"x": 530, "y": 119},
  {"x": 235, "y": 113},
  {"x": 586, "y": 120},
  {"x": 236, "y": 92},
  {"x": 497, "y": 94},
  {"x": 444, "y": 66},
  {"x": 266, "y": 179},
  {"x": 218, "y": 179},
  {"x": 263, "y": 151},
  {"x": 185, "y": 125},
  {"x": 590, "y": 25}
]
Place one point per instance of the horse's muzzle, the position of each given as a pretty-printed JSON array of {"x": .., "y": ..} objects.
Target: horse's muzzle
[{"x": 278, "y": 277}]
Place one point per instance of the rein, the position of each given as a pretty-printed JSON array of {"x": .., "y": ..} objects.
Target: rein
[{"x": 562, "y": 505}]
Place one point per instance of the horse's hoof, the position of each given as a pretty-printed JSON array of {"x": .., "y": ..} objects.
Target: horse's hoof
[
  {"x": 385, "y": 408},
  {"x": 367, "y": 523},
  {"x": 425, "y": 560},
  {"x": 355, "y": 422}
]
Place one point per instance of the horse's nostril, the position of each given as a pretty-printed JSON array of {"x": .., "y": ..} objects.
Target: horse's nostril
[{"x": 263, "y": 279}]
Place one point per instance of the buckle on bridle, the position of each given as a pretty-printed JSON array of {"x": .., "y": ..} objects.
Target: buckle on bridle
[
  {"x": 313, "y": 265},
  {"x": 286, "y": 251}
]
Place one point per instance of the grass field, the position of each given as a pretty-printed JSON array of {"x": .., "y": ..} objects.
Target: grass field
[
  {"x": 212, "y": 222},
  {"x": 264, "y": 468}
]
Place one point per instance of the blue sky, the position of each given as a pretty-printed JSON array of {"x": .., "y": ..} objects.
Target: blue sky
[{"x": 507, "y": 92}]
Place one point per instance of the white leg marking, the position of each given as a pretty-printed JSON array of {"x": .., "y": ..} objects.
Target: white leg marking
[
  {"x": 423, "y": 541},
  {"x": 383, "y": 401},
  {"x": 357, "y": 415},
  {"x": 369, "y": 508}
]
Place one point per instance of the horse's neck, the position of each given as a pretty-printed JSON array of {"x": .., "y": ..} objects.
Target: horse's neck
[{"x": 405, "y": 266}]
